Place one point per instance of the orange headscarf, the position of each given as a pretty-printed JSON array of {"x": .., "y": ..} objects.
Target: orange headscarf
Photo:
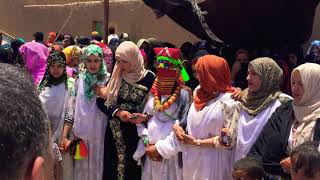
[
  {"x": 53, "y": 37},
  {"x": 214, "y": 76}
]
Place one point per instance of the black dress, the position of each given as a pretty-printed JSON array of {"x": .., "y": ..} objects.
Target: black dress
[
  {"x": 121, "y": 139},
  {"x": 271, "y": 145}
]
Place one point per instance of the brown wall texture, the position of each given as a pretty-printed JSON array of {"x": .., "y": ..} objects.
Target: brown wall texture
[{"x": 23, "y": 18}]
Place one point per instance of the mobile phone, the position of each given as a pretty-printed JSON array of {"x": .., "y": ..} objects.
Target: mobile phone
[
  {"x": 133, "y": 117},
  {"x": 225, "y": 138}
]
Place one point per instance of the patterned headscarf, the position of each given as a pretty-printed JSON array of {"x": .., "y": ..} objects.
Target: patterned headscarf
[
  {"x": 48, "y": 80},
  {"x": 271, "y": 77},
  {"x": 90, "y": 80}
]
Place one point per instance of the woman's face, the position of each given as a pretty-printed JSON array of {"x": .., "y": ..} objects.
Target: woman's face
[
  {"x": 51, "y": 38},
  {"x": 254, "y": 80},
  {"x": 66, "y": 41},
  {"x": 56, "y": 70},
  {"x": 241, "y": 174},
  {"x": 145, "y": 46},
  {"x": 93, "y": 64},
  {"x": 242, "y": 58},
  {"x": 195, "y": 74},
  {"x": 145, "y": 63},
  {"x": 296, "y": 87},
  {"x": 124, "y": 65},
  {"x": 315, "y": 50},
  {"x": 74, "y": 61},
  {"x": 293, "y": 60},
  {"x": 300, "y": 174}
]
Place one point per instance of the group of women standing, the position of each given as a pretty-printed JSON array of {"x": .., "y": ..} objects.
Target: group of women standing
[{"x": 134, "y": 124}]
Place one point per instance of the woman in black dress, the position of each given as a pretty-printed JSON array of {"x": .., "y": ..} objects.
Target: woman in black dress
[
  {"x": 125, "y": 94},
  {"x": 292, "y": 124}
]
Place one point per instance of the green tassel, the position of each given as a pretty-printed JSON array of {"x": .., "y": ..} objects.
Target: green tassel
[{"x": 184, "y": 73}]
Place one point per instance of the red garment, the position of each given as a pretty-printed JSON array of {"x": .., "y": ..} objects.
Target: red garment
[
  {"x": 107, "y": 56},
  {"x": 145, "y": 57},
  {"x": 51, "y": 39},
  {"x": 214, "y": 77},
  {"x": 167, "y": 73},
  {"x": 286, "y": 83}
]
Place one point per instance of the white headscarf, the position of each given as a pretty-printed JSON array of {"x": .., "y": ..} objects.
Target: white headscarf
[
  {"x": 129, "y": 52},
  {"x": 307, "y": 111},
  {"x": 141, "y": 41}
]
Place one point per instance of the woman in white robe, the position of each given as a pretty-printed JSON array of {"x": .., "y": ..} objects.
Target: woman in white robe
[
  {"x": 168, "y": 102},
  {"x": 87, "y": 122},
  {"x": 259, "y": 102},
  {"x": 201, "y": 160},
  {"x": 54, "y": 96},
  {"x": 53, "y": 92}
]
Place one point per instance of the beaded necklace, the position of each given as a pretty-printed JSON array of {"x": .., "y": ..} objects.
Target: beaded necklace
[{"x": 161, "y": 106}]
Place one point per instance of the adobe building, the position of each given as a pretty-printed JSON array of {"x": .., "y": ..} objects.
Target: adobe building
[{"x": 21, "y": 18}]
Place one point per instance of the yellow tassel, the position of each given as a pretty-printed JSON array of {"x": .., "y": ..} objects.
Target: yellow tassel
[{"x": 77, "y": 155}]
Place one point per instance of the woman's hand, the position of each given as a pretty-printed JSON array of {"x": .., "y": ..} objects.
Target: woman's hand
[
  {"x": 237, "y": 94},
  {"x": 138, "y": 118},
  {"x": 124, "y": 116},
  {"x": 152, "y": 152},
  {"x": 188, "y": 139},
  {"x": 101, "y": 91},
  {"x": 177, "y": 129},
  {"x": 64, "y": 144},
  {"x": 286, "y": 165},
  {"x": 236, "y": 67}
]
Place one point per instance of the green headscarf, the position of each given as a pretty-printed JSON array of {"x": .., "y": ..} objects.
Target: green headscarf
[
  {"x": 271, "y": 77},
  {"x": 21, "y": 40},
  {"x": 91, "y": 80}
]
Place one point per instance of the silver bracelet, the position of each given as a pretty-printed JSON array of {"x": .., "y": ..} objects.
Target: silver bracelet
[{"x": 198, "y": 142}]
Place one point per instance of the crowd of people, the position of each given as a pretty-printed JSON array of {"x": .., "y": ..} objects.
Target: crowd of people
[{"x": 84, "y": 109}]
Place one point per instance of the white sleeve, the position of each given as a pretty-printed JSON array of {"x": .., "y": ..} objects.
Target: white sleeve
[
  {"x": 169, "y": 147},
  {"x": 142, "y": 130}
]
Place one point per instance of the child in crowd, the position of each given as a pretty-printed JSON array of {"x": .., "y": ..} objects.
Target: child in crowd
[
  {"x": 305, "y": 161},
  {"x": 248, "y": 169}
]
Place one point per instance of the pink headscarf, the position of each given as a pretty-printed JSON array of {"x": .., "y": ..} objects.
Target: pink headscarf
[
  {"x": 145, "y": 57},
  {"x": 70, "y": 72},
  {"x": 35, "y": 57}
]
